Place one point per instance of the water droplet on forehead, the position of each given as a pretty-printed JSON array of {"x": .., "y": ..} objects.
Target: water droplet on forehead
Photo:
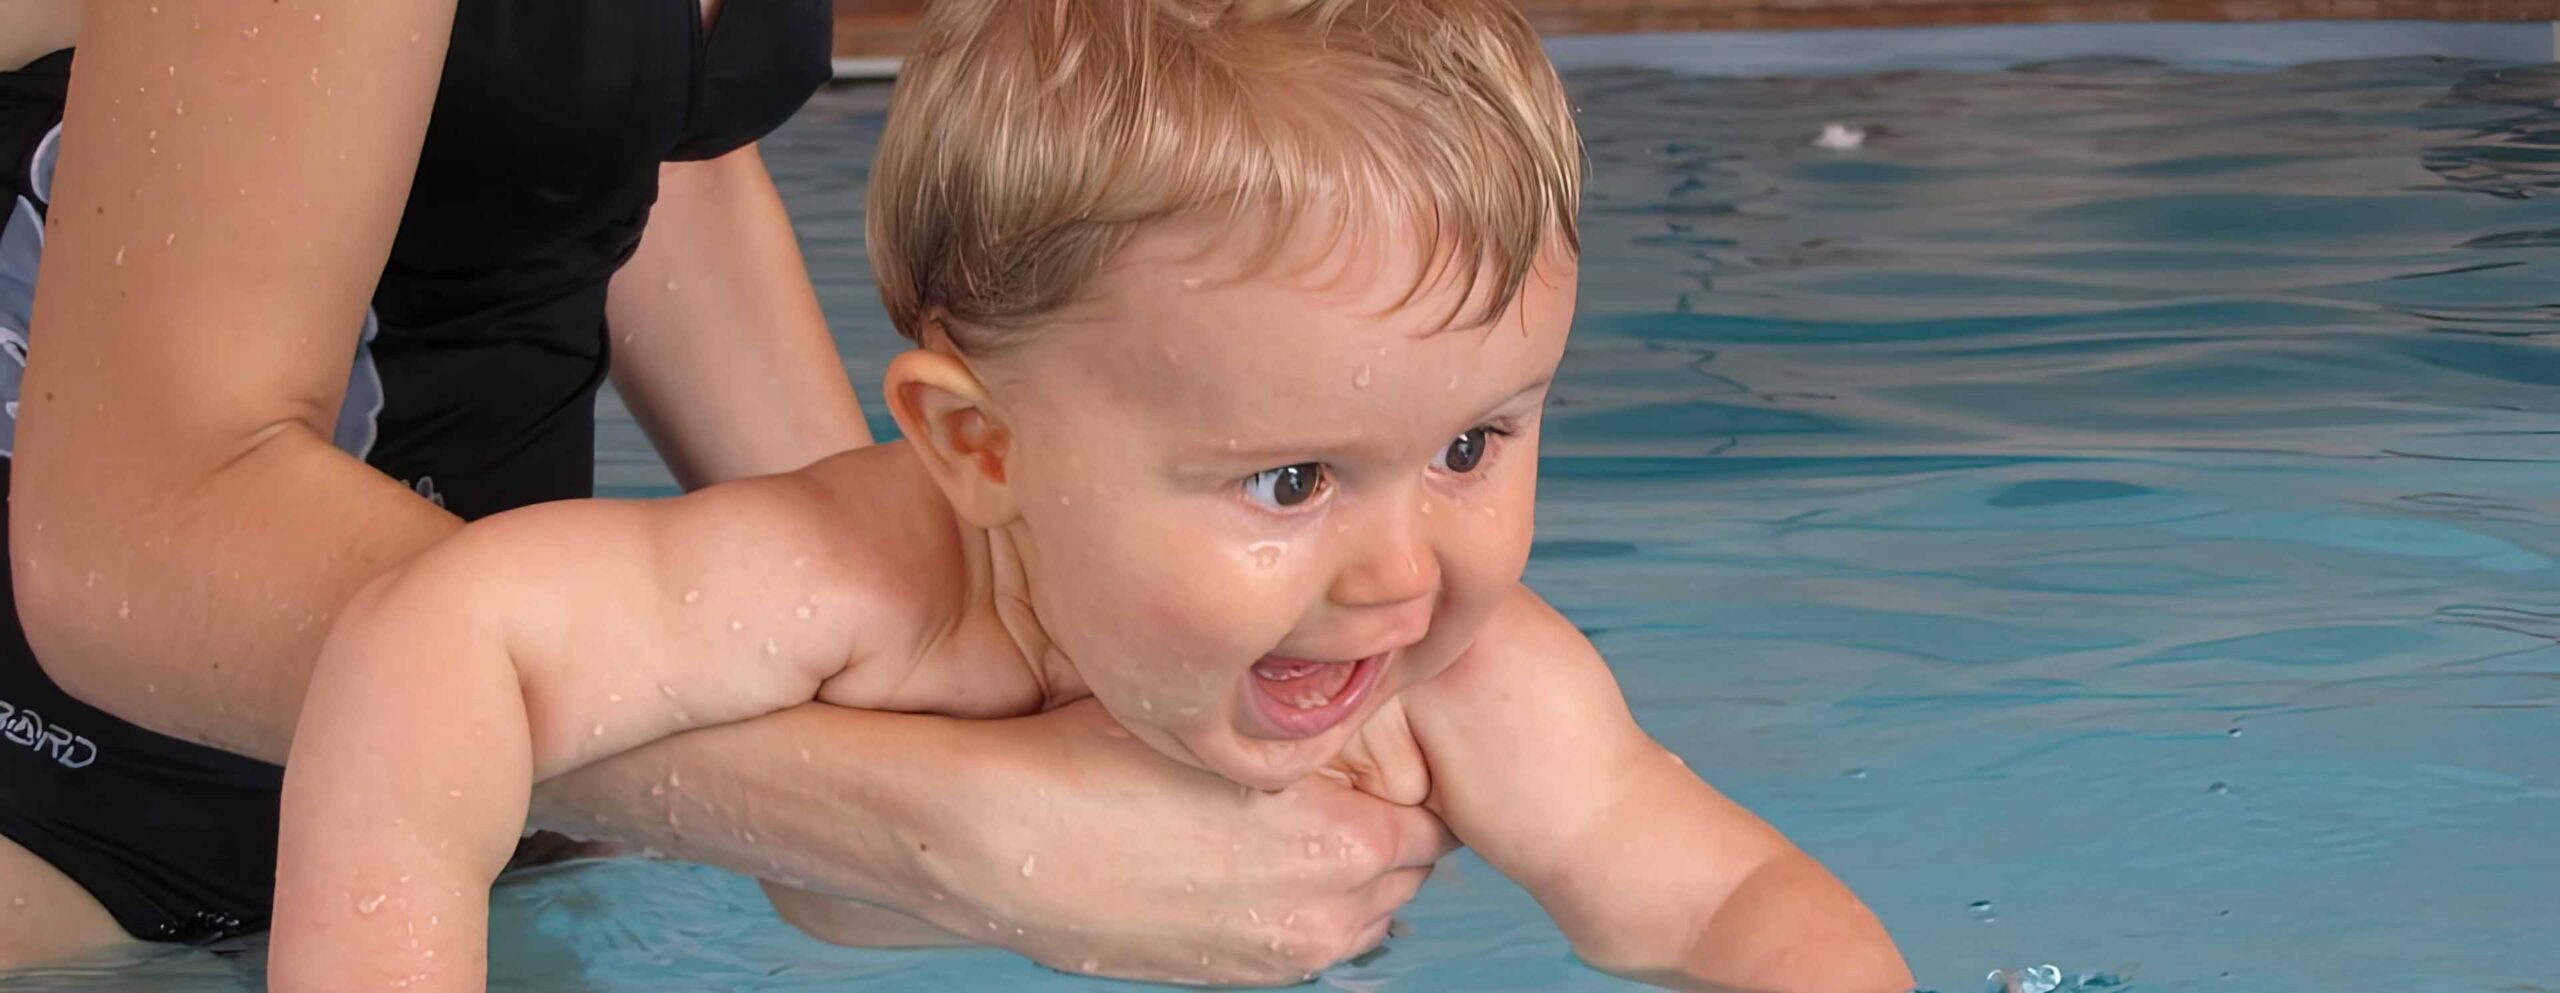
[{"x": 1360, "y": 380}]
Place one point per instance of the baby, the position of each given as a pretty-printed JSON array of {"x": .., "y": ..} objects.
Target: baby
[{"x": 1235, "y": 323}]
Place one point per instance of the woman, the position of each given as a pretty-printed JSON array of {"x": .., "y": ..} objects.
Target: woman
[{"x": 321, "y": 280}]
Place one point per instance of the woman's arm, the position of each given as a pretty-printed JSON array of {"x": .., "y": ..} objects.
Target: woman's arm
[
  {"x": 231, "y": 175},
  {"x": 1176, "y": 873},
  {"x": 719, "y": 346}
]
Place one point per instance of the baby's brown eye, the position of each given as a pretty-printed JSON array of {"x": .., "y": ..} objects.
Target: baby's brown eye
[
  {"x": 1463, "y": 455},
  {"x": 1287, "y": 486}
]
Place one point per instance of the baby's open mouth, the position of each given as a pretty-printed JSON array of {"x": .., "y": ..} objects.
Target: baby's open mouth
[{"x": 1302, "y": 697}]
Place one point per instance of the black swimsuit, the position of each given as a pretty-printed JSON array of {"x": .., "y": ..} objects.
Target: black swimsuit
[{"x": 474, "y": 384}]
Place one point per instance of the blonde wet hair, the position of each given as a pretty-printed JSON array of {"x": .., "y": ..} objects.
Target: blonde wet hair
[{"x": 1029, "y": 139}]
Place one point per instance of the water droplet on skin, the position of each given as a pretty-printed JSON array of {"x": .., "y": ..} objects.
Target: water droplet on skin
[
  {"x": 1026, "y": 866},
  {"x": 692, "y": 596},
  {"x": 804, "y": 755},
  {"x": 675, "y": 778},
  {"x": 372, "y": 903},
  {"x": 613, "y": 698},
  {"x": 1265, "y": 553},
  {"x": 456, "y": 794},
  {"x": 119, "y": 255},
  {"x": 736, "y": 624},
  {"x": 151, "y": 687},
  {"x": 1426, "y": 506},
  {"x": 1453, "y": 382},
  {"x": 771, "y": 647},
  {"x": 413, "y": 37},
  {"x": 249, "y": 33},
  {"x": 124, "y": 610},
  {"x": 803, "y": 611},
  {"x": 1360, "y": 380},
  {"x": 1190, "y": 282},
  {"x": 597, "y": 732},
  {"x": 1090, "y": 965},
  {"x": 1066, "y": 501},
  {"x": 1314, "y": 848},
  {"x": 172, "y": 239},
  {"x": 1253, "y": 915},
  {"x": 673, "y": 286},
  {"x": 667, "y": 691},
  {"x": 1119, "y": 733},
  {"x": 657, "y": 789}
]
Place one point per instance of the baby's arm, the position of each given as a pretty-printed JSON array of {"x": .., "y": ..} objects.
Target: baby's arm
[
  {"x": 527, "y": 645},
  {"x": 1537, "y": 764}
]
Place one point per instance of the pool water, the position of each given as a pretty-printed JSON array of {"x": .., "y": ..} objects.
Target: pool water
[{"x": 2109, "y": 517}]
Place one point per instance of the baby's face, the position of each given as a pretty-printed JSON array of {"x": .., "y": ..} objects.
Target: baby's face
[{"x": 1254, "y": 508}]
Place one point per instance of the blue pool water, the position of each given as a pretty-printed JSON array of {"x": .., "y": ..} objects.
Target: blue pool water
[{"x": 2109, "y": 517}]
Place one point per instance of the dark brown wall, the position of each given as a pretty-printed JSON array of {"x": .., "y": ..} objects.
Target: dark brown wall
[{"x": 881, "y": 27}]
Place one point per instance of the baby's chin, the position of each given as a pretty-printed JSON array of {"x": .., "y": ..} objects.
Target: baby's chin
[{"x": 1262, "y": 763}]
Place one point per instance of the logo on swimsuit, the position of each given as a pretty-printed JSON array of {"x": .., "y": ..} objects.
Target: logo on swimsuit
[
  {"x": 426, "y": 487},
  {"x": 27, "y": 729}
]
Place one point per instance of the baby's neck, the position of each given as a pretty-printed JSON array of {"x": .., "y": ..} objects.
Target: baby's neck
[{"x": 1000, "y": 584}]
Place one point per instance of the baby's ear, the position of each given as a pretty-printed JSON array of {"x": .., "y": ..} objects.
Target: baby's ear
[{"x": 944, "y": 412}]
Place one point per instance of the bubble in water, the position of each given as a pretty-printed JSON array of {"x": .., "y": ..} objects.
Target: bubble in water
[
  {"x": 2234, "y": 732},
  {"x": 1982, "y": 911},
  {"x": 2218, "y": 788},
  {"x": 1360, "y": 380},
  {"x": 2034, "y": 979},
  {"x": 1857, "y": 773}
]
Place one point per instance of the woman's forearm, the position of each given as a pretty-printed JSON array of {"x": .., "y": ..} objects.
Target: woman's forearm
[{"x": 1055, "y": 836}]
